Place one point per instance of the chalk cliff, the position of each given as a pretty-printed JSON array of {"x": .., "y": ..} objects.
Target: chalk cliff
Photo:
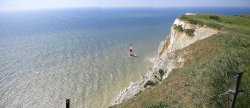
[{"x": 167, "y": 59}]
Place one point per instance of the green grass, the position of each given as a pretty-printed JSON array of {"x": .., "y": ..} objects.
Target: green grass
[
  {"x": 157, "y": 105},
  {"x": 208, "y": 70},
  {"x": 189, "y": 32},
  {"x": 191, "y": 20}
]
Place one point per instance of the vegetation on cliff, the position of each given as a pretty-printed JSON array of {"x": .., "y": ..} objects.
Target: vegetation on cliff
[
  {"x": 189, "y": 32},
  {"x": 208, "y": 68}
]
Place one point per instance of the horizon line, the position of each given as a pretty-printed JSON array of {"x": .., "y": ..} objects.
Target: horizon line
[{"x": 117, "y": 7}]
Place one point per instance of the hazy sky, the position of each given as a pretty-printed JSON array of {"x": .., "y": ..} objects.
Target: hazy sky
[{"x": 47, "y": 4}]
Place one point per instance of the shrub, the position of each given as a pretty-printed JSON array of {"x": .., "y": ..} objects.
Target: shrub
[
  {"x": 149, "y": 83},
  {"x": 190, "y": 32},
  {"x": 161, "y": 72},
  {"x": 179, "y": 27},
  {"x": 214, "y": 17}
]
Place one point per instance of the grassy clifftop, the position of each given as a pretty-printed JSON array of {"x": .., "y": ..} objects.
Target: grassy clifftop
[{"x": 208, "y": 68}]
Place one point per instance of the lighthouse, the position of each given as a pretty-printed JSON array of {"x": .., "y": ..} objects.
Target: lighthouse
[{"x": 131, "y": 50}]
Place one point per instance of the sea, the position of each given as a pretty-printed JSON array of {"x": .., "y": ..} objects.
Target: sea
[{"x": 81, "y": 54}]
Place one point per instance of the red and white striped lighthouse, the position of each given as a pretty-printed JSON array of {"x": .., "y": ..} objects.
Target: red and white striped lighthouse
[
  {"x": 131, "y": 51},
  {"x": 131, "y": 48}
]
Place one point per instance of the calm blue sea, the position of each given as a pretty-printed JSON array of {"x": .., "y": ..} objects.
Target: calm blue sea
[{"x": 80, "y": 54}]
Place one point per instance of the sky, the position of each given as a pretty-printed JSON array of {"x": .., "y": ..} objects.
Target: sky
[{"x": 12, "y": 5}]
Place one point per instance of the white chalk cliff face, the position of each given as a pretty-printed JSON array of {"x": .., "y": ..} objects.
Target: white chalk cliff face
[
  {"x": 167, "y": 60},
  {"x": 179, "y": 40}
]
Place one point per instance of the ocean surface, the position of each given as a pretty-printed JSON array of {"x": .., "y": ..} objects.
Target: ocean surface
[{"x": 49, "y": 56}]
